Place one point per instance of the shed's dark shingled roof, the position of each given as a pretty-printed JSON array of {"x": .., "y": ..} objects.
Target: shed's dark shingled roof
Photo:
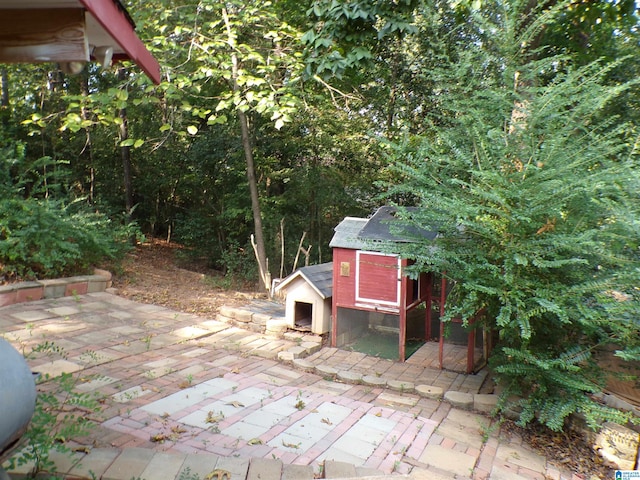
[{"x": 381, "y": 228}]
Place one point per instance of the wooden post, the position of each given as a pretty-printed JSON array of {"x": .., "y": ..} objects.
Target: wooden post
[
  {"x": 471, "y": 347},
  {"x": 334, "y": 305},
  {"x": 429, "y": 306},
  {"x": 443, "y": 297},
  {"x": 403, "y": 314}
]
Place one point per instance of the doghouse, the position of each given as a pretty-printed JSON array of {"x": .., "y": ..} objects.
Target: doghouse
[{"x": 308, "y": 293}]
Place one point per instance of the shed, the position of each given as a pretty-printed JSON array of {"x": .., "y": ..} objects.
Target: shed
[
  {"x": 370, "y": 287},
  {"x": 308, "y": 293},
  {"x": 71, "y": 33},
  {"x": 372, "y": 292}
]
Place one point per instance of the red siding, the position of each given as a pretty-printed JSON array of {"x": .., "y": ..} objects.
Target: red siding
[
  {"x": 344, "y": 287},
  {"x": 378, "y": 278}
]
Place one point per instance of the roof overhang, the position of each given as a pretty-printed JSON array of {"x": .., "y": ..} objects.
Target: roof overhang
[{"x": 68, "y": 31}]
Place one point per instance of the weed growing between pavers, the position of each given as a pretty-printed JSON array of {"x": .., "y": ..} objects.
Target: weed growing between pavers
[{"x": 60, "y": 414}]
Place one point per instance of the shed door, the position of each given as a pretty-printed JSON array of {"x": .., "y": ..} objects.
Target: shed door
[{"x": 378, "y": 278}]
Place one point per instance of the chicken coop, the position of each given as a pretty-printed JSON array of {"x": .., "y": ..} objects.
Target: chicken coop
[{"x": 373, "y": 297}]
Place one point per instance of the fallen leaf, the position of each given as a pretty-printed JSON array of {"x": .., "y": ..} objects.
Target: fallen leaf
[
  {"x": 235, "y": 404},
  {"x": 213, "y": 418},
  {"x": 327, "y": 421},
  {"x": 219, "y": 474},
  {"x": 158, "y": 437},
  {"x": 290, "y": 445},
  {"x": 255, "y": 441}
]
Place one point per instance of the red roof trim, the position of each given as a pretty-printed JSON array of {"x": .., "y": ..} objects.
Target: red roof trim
[{"x": 116, "y": 23}]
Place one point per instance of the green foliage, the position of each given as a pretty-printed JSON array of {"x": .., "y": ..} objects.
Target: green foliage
[
  {"x": 531, "y": 181},
  {"x": 43, "y": 234},
  {"x": 345, "y": 33},
  {"x": 555, "y": 386}
]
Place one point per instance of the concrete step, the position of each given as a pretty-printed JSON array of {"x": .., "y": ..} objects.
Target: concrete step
[{"x": 145, "y": 464}]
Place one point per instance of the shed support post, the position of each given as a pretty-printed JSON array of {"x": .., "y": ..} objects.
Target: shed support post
[
  {"x": 443, "y": 297},
  {"x": 429, "y": 306}
]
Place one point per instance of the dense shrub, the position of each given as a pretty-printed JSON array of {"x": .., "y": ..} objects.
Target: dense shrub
[{"x": 43, "y": 232}]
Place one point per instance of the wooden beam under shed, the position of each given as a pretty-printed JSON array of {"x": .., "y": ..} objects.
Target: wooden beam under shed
[{"x": 43, "y": 35}]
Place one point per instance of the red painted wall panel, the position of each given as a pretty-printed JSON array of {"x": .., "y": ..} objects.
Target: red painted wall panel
[
  {"x": 344, "y": 286},
  {"x": 378, "y": 278}
]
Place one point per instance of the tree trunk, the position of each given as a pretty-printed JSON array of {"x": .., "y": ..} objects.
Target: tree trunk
[
  {"x": 125, "y": 153},
  {"x": 4, "y": 99},
  {"x": 255, "y": 199},
  {"x": 251, "y": 172},
  {"x": 87, "y": 150}
]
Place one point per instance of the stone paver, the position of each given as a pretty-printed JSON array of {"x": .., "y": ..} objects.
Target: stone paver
[
  {"x": 429, "y": 391},
  {"x": 58, "y": 367},
  {"x": 459, "y": 399},
  {"x": 335, "y": 469},
  {"x": 237, "y": 467},
  {"x": 129, "y": 464},
  {"x": 185, "y": 395},
  {"x": 522, "y": 457},
  {"x": 449, "y": 460},
  {"x": 200, "y": 465},
  {"x": 95, "y": 463},
  {"x": 165, "y": 465},
  {"x": 297, "y": 472},
  {"x": 264, "y": 469}
]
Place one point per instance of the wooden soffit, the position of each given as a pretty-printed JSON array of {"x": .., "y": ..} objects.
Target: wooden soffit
[{"x": 66, "y": 31}]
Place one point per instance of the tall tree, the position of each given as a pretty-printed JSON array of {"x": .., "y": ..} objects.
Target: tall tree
[{"x": 245, "y": 57}]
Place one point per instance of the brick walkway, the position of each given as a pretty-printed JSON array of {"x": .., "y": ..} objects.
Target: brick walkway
[{"x": 185, "y": 391}]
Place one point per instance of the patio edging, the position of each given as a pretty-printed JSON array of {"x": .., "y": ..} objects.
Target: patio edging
[{"x": 61, "y": 287}]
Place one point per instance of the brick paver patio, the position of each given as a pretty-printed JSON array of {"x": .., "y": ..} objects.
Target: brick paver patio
[{"x": 185, "y": 391}]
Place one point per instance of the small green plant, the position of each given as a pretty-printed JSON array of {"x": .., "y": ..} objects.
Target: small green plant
[
  {"x": 220, "y": 282},
  {"x": 60, "y": 414},
  {"x": 147, "y": 341},
  {"x": 486, "y": 431},
  {"x": 300, "y": 402},
  {"x": 187, "y": 475}
]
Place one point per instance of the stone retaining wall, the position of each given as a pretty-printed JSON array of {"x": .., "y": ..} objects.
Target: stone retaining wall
[
  {"x": 60, "y": 287},
  {"x": 256, "y": 322}
]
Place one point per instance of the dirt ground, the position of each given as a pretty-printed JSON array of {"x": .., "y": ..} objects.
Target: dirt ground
[{"x": 156, "y": 272}]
